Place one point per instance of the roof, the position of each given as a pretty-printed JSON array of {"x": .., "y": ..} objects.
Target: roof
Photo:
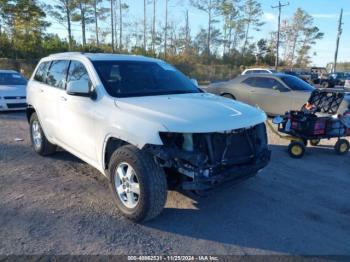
[
  {"x": 103, "y": 56},
  {"x": 8, "y": 71}
]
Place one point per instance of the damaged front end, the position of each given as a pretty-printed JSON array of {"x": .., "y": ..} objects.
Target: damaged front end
[{"x": 205, "y": 159}]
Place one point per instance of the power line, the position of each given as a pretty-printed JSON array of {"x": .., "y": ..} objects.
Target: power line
[
  {"x": 340, "y": 31},
  {"x": 279, "y": 6}
]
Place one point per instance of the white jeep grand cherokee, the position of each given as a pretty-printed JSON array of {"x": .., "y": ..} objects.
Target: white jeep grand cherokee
[{"x": 144, "y": 125}]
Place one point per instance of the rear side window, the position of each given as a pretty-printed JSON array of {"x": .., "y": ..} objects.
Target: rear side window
[
  {"x": 265, "y": 82},
  {"x": 57, "y": 74},
  {"x": 77, "y": 72},
  {"x": 249, "y": 81},
  {"x": 40, "y": 74}
]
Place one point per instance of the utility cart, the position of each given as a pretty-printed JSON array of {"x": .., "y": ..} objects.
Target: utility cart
[{"x": 326, "y": 115}]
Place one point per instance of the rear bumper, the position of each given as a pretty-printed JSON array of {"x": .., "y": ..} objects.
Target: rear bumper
[{"x": 232, "y": 174}]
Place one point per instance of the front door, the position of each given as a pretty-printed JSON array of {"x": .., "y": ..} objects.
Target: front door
[
  {"x": 271, "y": 96},
  {"x": 76, "y": 116}
]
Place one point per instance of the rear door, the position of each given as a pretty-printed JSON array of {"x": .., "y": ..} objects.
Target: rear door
[
  {"x": 245, "y": 88},
  {"x": 38, "y": 95},
  {"x": 55, "y": 84},
  {"x": 49, "y": 82}
]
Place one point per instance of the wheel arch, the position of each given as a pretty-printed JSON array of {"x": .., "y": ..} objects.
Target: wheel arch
[
  {"x": 228, "y": 94},
  {"x": 29, "y": 111},
  {"x": 111, "y": 144}
]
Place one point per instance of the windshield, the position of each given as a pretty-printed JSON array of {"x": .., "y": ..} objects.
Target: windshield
[
  {"x": 138, "y": 78},
  {"x": 12, "y": 79},
  {"x": 296, "y": 83}
]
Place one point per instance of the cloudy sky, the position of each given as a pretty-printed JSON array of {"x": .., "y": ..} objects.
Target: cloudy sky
[{"x": 325, "y": 13}]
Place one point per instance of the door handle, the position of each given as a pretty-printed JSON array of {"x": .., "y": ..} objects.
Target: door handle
[
  {"x": 63, "y": 98},
  {"x": 41, "y": 90}
]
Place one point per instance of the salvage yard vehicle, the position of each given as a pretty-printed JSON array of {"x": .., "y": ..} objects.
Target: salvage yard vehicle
[
  {"x": 144, "y": 125},
  {"x": 325, "y": 115},
  {"x": 12, "y": 91},
  {"x": 273, "y": 93}
]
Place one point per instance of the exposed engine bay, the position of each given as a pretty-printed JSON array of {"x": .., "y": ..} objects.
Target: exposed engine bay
[{"x": 208, "y": 158}]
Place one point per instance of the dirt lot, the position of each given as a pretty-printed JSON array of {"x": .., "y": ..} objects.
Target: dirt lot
[{"x": 60, "y": 205}]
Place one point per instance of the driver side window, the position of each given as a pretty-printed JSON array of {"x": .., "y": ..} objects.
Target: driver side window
[{"x": 78, "y": 72}]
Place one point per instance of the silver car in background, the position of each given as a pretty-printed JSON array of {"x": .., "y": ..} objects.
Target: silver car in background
[
  {"x": 273, "y": 93},
  {"x": 12, "y": 91}
]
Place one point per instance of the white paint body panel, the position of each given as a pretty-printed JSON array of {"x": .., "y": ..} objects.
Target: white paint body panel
[
  {"x": 82, "y": 126},
  {"x": 18, "y": 91}
]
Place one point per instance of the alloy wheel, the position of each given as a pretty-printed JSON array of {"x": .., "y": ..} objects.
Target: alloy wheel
[{"x": 127, "y": 185}]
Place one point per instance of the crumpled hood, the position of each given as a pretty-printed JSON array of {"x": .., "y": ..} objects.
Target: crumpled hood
[
  {"x": 193, "y": 113},
  {"x": 19, "y": 90}
]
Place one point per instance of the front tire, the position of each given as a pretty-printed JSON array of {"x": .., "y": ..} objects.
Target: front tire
[
  {"x": 138, "y": 184},
  {"x": 40, "y": 144}
]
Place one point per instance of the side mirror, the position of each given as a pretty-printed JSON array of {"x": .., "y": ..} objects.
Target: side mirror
[
  {"x": 275, "y": 88},
  {"x": 78, "y": 88},
  {"x": 195, "y": 82}
]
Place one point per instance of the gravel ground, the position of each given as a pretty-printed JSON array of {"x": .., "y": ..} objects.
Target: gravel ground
[{"x": 60, "y": 205}]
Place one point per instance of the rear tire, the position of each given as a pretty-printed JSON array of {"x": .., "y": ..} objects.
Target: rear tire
[
  {"x": 342, "y": 147},
  {"x": 296, "y": 149},
  {"x": 149, "y": 198},
  {"x": 40, "y": 144}
]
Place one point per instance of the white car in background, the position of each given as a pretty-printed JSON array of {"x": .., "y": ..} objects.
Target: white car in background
[
  {"x": 12, "y": 91},
  {"x": 144, "y": 125},
  {"x": 258, "y": 71}
]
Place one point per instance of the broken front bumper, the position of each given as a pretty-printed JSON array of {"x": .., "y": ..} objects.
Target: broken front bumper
[
  {"x": 234, "y": 174},
  {"x": 205, "y": 178},
  {"x": 207, "y": 159}
]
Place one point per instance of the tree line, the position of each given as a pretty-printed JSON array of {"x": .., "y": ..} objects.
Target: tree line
[{"x": 225, "y": 38}]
